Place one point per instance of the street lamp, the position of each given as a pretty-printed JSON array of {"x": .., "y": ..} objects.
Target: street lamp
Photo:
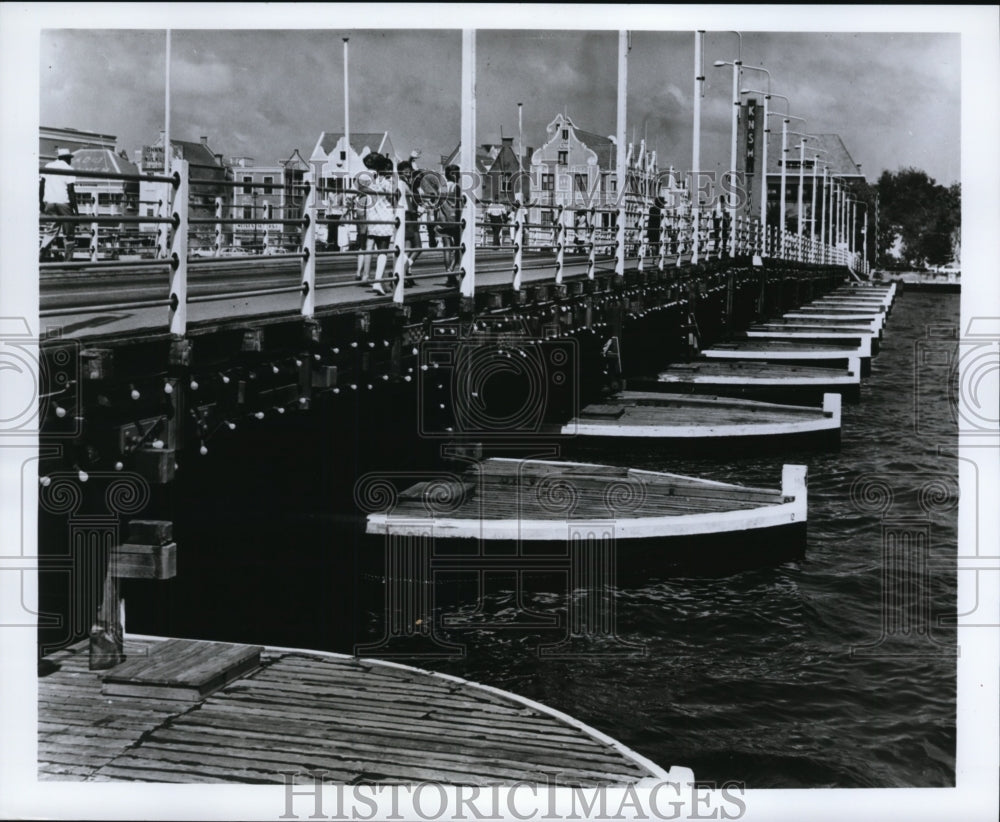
[
  {"x": 812, "y": 205},
  {"x": 786, "y": 119},
  {"x": 864, "y": 228},
  {"x": 699, "y": 77},
  {"x": 737, "y": 64}
]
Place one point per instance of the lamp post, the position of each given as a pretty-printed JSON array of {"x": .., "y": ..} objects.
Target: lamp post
[
  {"x": 786, "y": 119},
  {"x": 802, "y": 161},
  {"x": 695, "y": 190},
  {"x": 812, "y": 205},
  {"x": 737, "y": 65}
]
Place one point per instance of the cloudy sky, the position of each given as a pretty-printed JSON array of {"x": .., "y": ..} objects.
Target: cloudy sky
[{"x": 895, "y": 98}]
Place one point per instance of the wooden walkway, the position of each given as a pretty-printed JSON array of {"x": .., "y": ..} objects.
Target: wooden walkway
[{"x": 306, "y": 712}]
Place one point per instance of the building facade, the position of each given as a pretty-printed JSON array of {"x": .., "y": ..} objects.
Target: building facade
[
  {"x": 209, "y": 179},
  {"x": 49, "y": 139}
]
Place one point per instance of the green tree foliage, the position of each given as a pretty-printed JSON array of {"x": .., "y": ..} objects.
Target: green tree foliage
[{"x": 924, "y": 215}]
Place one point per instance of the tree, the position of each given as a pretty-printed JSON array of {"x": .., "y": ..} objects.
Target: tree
[{"x": 924, "y": 216}]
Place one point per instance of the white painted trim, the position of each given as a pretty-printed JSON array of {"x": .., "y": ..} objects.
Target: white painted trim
[
  {"x": 610, "y": 429},
  {"x": 765, "y": 382},
  {"x": 626, "y": 528},
  {"x": 806, "y": 354},
  {"x": 677, "y": 773}
]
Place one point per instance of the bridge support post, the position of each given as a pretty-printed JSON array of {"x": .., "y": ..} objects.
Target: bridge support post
[
  {"x": 592, "y": 242},
  {"x": 520, "y": 215},
  {"x": 560, "y": 242},
  {"x": 308, "y": 249},
  {"x": 178, "y": 251}
]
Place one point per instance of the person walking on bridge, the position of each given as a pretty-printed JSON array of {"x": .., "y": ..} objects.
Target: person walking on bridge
[
  {"x": 57, "y": 197},
  {"x": 378, "y": 190}
]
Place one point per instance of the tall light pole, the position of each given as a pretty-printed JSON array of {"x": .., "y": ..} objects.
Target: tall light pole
[
  {"x": 786, "y": 119},
  {"x": 802, "y": 161},
  {"x": 812, "y": 205},
  {"x": 623, "y": 47},
  {"x": 347, "y": 120},
  {"x": 732, "y": 145},
  {"x": 699, "y": 78},
  {"x": 822, "y": 217}
]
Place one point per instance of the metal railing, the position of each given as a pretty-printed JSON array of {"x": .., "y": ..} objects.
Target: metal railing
[{"x": 285, "y": 236}]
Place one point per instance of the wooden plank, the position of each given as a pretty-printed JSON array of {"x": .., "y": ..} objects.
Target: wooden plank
[
  {"x": 181, "y": 669},
  {"x": 377, "y": 744}
]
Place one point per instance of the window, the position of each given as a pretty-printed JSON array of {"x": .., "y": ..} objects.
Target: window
[
  {"x": 565, "y": 133},
  {"x": 268, "y": 184},
  {"x": 612, "y": 184},
  {"x": 504, "y": 183},
  {"x": 247, "y": 212},
  {"x": 247, "y": 189},
  {"x": 343, "y": 156},
  {"x": 546, "y": 218},
  {"x": 548, "y": 182},
  {"x": 581, "y": 182},
  {"x": 563, "y": 157},
  {"x": 149, "y": 212}
]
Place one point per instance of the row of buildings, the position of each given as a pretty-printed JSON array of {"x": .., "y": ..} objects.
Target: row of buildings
[{"x": 573, "y": 170}]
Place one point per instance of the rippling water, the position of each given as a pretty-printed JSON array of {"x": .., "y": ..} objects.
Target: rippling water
[{"x": 799, "y": 675}]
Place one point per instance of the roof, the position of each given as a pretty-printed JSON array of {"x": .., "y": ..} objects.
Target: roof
[
  {"x": 484, "y": 159},
  {"x": 603, "y": 147},
  {"x": 833, "y": 152},
  {"x": 359, "y": 140},
  {"x": 197, "y": 154},
  {"x": 102, "y": 159}
]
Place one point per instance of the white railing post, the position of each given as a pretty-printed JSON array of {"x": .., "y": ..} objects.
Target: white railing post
[
  {"x": 468, "y": 163},
  {"x": 267, "y": 226},
  {"x": 94, "y": 228},
  {"x": 560, "y": 242},
  {"x": 308, "y": 248},
  {"x": 520, "y": 216},
  {"x": 399, "y": 250},
  {"x": 643, "y": 228},
  {"x": 217, "y": 248},
  {"x": 665, "y": 224},
  {"x": 592, "y": 240},
  {"x": 178, "y": 207}
]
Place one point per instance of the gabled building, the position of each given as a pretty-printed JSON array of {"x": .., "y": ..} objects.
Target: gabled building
[
  {"x": 336, "y": 160},
  {"x": 576, "y": 169},
  {"x": 497, "y": 167}
]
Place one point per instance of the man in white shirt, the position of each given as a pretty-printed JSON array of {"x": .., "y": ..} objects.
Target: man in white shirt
[{"x": 57, "y": 197}]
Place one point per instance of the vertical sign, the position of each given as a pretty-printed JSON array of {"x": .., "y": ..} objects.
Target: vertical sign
[{"x": 751, "y": 136}]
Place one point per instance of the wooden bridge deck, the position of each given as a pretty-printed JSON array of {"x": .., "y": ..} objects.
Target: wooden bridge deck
[{"x": 305, "y": 712}]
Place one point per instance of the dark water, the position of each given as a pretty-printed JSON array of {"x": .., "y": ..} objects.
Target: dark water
[{"x": 828, "y": 672}]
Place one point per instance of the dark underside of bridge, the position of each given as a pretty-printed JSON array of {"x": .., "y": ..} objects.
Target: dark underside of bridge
[{"x": 210, "y": 480}]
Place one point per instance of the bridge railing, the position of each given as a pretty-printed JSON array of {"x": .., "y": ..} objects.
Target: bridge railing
[{"x": 285, "y": 246}]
